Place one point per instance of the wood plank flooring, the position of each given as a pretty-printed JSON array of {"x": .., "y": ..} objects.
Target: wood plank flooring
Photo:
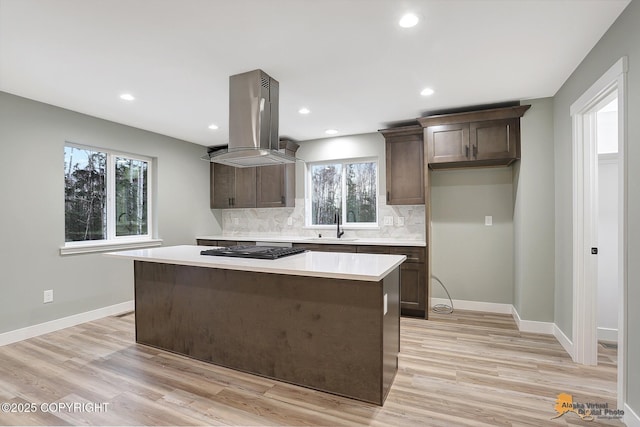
[{"x": 467, "y": 369}]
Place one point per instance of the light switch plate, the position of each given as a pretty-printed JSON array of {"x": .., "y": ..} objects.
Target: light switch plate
[
  {"x": 48, "y": 296},
  {"x": 400, "y": 221},
  {"x": 488, "y": 220},
  {"x": 289, "y": 221},
  {"x": 235, "y": 221}
]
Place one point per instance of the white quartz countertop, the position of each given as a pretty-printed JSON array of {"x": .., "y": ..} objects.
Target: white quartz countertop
[
  {"x": 337, "y": 265},
  {"x": 327, "y": 239}
]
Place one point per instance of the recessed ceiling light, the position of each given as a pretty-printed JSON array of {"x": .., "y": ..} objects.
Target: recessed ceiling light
[
  {"x": 331, "y": 131},
  {"x": 408, "y": 20},
  {"x": 213, "y": 127},
  {"x": 427, "y": 91},
  {"x": 304, "y": 110},
  {"x": 127, "y": 97}
]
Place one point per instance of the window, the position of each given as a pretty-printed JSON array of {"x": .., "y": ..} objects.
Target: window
[
  {"x": 348, "y": 188},
  {"x": 107, "y": 196}
]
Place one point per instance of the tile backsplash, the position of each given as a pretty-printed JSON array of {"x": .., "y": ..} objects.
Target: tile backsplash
[{"x": 270, "y": 222}]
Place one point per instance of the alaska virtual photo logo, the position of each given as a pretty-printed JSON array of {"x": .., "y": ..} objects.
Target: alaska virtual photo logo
[{"x": 586, "y": 411}]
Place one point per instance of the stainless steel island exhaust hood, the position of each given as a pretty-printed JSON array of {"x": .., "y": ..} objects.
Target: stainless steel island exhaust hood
[{"x": 253, "y": 123}]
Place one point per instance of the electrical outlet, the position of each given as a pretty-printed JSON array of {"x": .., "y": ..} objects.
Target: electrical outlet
[
  {"x": 385, "y": 304},
  {"x": 488, "y": 220},
  {"x": 400, "y": 221},
  {"x": 290, "y": 221},
  {"x": 236, "y": 221},
  {"x": 388, "y": 220},
  {"x": 48, "y": 296}
]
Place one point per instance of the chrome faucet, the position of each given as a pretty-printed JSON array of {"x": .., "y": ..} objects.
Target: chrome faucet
[{"x": 336, "y": 219}]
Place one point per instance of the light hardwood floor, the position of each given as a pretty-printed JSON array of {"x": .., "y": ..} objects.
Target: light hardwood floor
[{"x": 460, "y": 369}]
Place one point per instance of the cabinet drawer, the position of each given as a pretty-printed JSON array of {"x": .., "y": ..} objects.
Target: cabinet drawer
[
  {"x": 373, "y": 249},
  {"x": 414, "y": 254},
  {"x": 206, "y": 242},
  {"x": 326, "y": 248},
  {"x": 226, "y": 243}
]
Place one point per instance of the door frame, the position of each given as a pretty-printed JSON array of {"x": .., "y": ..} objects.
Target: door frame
[{"x": 585, "y": 161}]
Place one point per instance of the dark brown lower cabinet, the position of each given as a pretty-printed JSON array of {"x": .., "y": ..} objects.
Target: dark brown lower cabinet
[
  {"x": 319, "y": 247},
  {"x": 413, "y": 287},
  {"x": 413, "y": 272},
  {"x": 413, "y": 281}
]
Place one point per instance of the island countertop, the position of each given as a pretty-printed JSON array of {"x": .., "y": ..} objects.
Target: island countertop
[{"x": 334, "y": 265}]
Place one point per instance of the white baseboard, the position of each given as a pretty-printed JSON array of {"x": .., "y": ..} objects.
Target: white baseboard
[
  {"x": 532, "y": 326},
  {"x": 564, "y": 341},
  {"x": 488, "y": 307},
  {"x": 631, "y": 419},
  {"x": 65, "y": 322},
  {"x": 608, "y": 334}
]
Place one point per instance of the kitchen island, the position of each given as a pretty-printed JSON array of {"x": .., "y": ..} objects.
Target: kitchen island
[{"x": 328, "y": 321}]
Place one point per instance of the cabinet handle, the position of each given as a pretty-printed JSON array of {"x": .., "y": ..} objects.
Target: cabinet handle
[
  {"x": 387, "y": 196},
  {"x": 466, "y": 151},
  {"x": 475, "y": 151},
  {"x": 229, "y": 201},
  {"x": 282, "y": 200}
]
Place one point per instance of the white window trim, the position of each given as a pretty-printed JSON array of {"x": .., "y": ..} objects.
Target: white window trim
[
  {"x": 344, "y": 225},
  {"x": 114, "y": 242}
]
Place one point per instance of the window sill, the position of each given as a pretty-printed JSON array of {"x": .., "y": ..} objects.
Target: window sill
[{"x": 108, "y": 246}]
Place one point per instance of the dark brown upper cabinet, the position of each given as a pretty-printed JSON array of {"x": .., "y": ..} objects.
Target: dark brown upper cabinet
[
  {"x": 473, "y": 139},
  {"x": 263, "y": 186},
  {"x": 232, "y": 187},
  {"x": 404, "y": 158}
]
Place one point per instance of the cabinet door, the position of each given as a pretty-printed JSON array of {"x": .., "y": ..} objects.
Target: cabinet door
[
  {"x": 405, "y": 170},
  {"x": 448, "y": 143},
  {"x": 271, "y": 191},
  {"x": 222, "y": 184},
  {"x": 412, "y": 288},
  {"x": 494, "y": 139},
  {"x": 245, "y": 188}
]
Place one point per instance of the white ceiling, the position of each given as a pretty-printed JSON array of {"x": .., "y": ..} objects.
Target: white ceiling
[{"x": 346, "y": 60}]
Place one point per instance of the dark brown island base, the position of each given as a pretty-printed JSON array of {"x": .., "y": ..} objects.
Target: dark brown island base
[{"x": 328, "y": 321}]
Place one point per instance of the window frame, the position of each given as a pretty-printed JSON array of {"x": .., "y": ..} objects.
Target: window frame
[
  {"x": 112, "y": 241},
  {"x": 343, "y": 208}
]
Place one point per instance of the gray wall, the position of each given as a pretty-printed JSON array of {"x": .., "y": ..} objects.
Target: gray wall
[
  {"x": 534, "y": 215},
  {"x": 474, "y": 261},
  {"x": 32, "y": 136},
  {"x": 620, "y": 40}
]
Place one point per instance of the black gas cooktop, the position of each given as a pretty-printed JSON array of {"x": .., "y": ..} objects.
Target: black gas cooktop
[{"x": 258, "y": 252}]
